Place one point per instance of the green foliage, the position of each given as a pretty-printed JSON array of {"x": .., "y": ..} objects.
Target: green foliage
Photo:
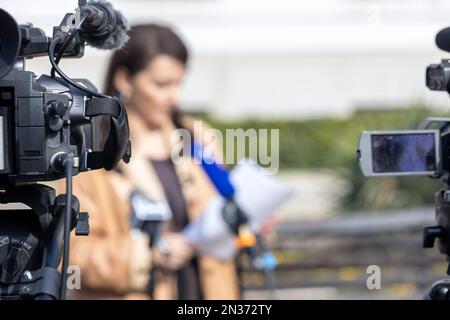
[{"x": 331, "y": 144}]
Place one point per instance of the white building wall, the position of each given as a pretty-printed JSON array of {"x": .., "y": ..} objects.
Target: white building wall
[{"x": 284, "y": 58}]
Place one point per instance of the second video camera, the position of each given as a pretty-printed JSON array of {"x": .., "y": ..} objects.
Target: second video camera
[{"x": 425, "y": 151}]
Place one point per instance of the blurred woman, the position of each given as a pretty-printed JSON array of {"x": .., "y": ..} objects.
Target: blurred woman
[{"x": 116, "y": 260}]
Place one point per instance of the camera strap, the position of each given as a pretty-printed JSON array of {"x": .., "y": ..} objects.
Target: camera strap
[
  {"x": 98, "y": 106},
  {"x": 118, "y": 144}
]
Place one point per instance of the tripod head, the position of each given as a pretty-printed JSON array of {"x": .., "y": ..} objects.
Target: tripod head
[{"x": 31, "y": 241}]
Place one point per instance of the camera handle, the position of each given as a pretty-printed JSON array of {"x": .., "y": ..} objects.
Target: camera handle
[
  {"x": 434, "y": 122},
  {"x": 44, "y": 282}
]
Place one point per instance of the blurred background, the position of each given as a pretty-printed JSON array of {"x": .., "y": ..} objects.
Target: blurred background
[{"x": 321, "y": 72}]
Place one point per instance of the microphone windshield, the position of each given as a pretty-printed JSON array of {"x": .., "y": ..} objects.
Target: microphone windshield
[
  {"x": 109, "y": 30},
  {"x": 443, "y": 39}
]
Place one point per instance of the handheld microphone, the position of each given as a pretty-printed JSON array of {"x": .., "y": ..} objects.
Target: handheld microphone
[
  {"x": 443, "y": 39},
  {"x": 104, "y": 27},
  {"x": 235, "y": 218},
  {"x": 217, "y": 174}
]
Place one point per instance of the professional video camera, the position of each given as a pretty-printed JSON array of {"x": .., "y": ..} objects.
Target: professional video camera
[
  {"x": 50, "y": 128},
  {"x": 425, "y": 151}
]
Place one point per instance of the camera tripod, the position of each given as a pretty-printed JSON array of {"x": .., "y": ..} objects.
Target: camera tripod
[
  {"x": 441, "y": 289},
  {"x": 31, "y": 241}
]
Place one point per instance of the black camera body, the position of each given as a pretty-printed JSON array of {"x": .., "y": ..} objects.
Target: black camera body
[
  {"x": 52, "y": 127},
  {"x": 425, "y": 151},
  {"x": 34, "y": 127},
  {"x": 42, "y": 119},
  {"x": 438, "y": 75}
]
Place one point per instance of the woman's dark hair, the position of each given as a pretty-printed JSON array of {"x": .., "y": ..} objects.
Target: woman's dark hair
[{"x": 145, "y": 43}]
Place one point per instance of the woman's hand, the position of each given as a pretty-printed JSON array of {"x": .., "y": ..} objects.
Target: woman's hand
[{"x": 172, "y": 251}]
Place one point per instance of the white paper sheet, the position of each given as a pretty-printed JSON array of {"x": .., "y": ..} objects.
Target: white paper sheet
[{"x": 257, "y": 193}]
